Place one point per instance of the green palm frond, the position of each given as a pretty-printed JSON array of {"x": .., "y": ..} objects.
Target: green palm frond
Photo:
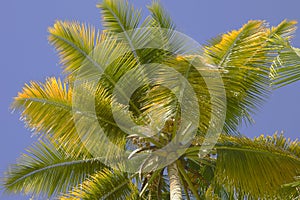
[
  {"x": 106, "y": 184},
  {"x": 160, "y": 16},
  {"x": 286, "y": 68},
  {"x": 108, "y": 62},
  {"x": 119, "y": 16},
  {"x": 47, "y": 169},
  {"x": 258, "y": 167},
  {"x": 242, "y": 57},
  {"x": 245, "y": 83},
  {"x": 246, "y": 55},
  {"x": 293, "y": 188},
  {"x": 74, "y": 42}
]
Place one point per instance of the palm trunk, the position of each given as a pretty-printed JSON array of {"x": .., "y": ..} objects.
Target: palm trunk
[{"x": 175, "y": 186}]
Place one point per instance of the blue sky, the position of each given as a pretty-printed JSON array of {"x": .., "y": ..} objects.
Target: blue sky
[{"x": 26, "y": 55}]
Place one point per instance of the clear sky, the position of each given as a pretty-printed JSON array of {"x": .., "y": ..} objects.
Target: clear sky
[{"x": 26, "y": 55}]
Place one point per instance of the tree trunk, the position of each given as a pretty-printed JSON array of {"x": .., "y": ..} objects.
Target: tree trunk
[{"x": 175, "y": 186}]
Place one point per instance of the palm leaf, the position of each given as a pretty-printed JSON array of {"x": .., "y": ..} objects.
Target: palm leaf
[
  {"x": 74, "y": 42},
  {"x": 105, "y": 185},
  {"x": 161, "y": 101},
  {"x": 160, "y": 16},
  {"x": 47, "y": 108},
  {"x": 119, "y": 16},
  {"x": 246, "y": 56},
  {"x": 257, "y": 167},
  {"x": 293, "y": 189},
  {"x": 47, "y": 169},
  {"x": 286, "y": 68}
]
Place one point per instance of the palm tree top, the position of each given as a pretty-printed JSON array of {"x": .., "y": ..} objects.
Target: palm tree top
[{"x": 226, "y": 81}]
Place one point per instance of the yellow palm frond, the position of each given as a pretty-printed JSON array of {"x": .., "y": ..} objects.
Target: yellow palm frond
[
  {"x": 47, "y": 109},
  {"x": 246, "y": 56},
  {"x": 74, "y": 42}
]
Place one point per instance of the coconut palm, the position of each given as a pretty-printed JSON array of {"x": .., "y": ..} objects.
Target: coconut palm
[{"x": 70, "y": 162}]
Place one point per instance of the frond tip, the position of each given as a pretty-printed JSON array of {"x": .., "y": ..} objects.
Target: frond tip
[
  {"x": 119, "y": 16},
  {"x": 47, "y": 169},
  {"x": 46, "y": 108},
  {"x": 73, "y": 42}
]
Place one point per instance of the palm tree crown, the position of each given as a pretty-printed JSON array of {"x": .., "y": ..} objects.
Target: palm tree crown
[{"x": 202, "y": 89}]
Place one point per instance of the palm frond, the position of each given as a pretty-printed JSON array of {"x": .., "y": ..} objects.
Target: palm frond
[
  {"x": 286, "y": 68},
  {"x": 83, "y": 125},
  {"x": 105, "y": 185},
  {"x": 48, "y": 110},
  {"x": 47, "y": 169},
  {"x": 221, "y": 54},
  {"x": 246, "y": 55},
  {"x": 160, "y": 16},
  {"x": 293, "y": 188},
  {"x": 162, "y": 101},
  {"x": 285, "y": 30},
  {"x": 119, "y": 16},
  {"x": 74, "y": 42},
  {"x": 259, "y": 167}
]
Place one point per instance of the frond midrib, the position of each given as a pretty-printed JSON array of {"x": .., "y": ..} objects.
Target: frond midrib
[
  {"x": 78, "y": 49},
  {"x": 228, "y": 52},
  {"x": 125, "y": 33}
]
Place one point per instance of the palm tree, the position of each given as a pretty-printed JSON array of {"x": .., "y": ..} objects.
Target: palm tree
[{"x": 70, "y": 162}]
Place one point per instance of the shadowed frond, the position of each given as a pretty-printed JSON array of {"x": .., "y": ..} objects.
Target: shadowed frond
[
  {"x": 258, "y": 167},
  {"x": 293, "y": 188},
  {"x": 74, "y": 42},
  {"x": 105, "y": 185},
  {"x": 155, "y": 186},
  {"x": 47, "y": 169}
]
